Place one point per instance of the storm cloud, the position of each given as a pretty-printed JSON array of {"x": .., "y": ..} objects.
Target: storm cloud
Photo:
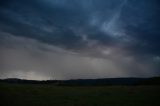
[{"x": 72, "y": 39}]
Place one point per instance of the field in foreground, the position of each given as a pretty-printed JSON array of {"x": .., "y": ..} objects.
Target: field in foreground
[{"x": 50, "y": 95}]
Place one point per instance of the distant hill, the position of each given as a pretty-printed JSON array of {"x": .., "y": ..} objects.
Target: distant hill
[
  {"x": 89, "y": 82},
  {"x": 150, "y": 81}
]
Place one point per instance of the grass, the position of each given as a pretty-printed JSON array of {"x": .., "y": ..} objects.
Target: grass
[{"x": 50, "y": 95}]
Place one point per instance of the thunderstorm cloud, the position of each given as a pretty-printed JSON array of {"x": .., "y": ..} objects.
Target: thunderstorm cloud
[{"x": 72, "y": 39}]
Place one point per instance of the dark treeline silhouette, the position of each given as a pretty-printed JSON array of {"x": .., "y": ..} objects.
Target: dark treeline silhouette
[{"x": 88, "y": 82}]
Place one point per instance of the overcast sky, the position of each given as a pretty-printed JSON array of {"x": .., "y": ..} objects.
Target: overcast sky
[{"x": 75, "y": 39}]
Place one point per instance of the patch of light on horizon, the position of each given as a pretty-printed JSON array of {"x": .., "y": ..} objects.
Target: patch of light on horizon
[{"x": 29, "y": 75}]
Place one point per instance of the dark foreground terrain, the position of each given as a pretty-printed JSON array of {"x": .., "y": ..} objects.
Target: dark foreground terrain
[{"x": 52, "y": 95}]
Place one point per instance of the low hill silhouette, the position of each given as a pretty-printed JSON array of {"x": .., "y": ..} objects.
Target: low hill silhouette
[{"x": 88, "y": 82}]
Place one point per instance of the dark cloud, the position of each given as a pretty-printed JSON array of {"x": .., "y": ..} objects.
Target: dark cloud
[{"x": 96, "y": 35}]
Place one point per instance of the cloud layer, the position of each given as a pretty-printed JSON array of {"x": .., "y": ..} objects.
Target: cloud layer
[{"x": 79, "y": 39}]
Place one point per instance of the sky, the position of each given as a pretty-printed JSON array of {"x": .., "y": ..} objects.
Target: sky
[{"x": 79, "y": 39}]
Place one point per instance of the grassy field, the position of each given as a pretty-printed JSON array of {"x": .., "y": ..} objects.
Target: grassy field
[{"x": 49, "y": 95}]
